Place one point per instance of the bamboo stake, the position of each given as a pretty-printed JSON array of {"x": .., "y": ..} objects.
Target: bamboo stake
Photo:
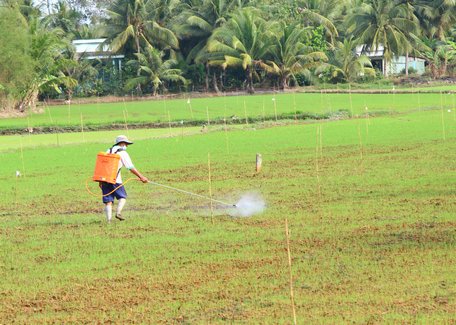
[
  {"x": 126, "y": 112},
  {"x": 321, "y": 141},
  {"x": 351, "y": 100},
  {"x": 295, "y": 109},
  {"x": 321, "y": 101},
  {"x": 275, "y": 108},
  {"x": 169, "y": 125},
  {"x": 165, "y": 108},
  {"x": 22, "y": 157},
  {"x": 82, "y": 129},
  {"x": 49, "y": 112},
  {"x": 245, "y": 113},
  {"x": 328, "y": 98},
  {"x": 224, "y": 125},
  {"x": 168, "y": 116},
  {"x": 454, "y": 108},
  {"x": 69, "y": 110},
  {"x": 16, "y": 195},
  {"x": 317, "y": 169},
  {"x": 393, "y": 104},
  {"x": 190, "y": 106},
  {"x": 126, "y": 124},
  {"x": 360, "y": 142},
  {"x": 29, "y": 126},
  {"x": 443, "y": 119},
  {"x": 226, "y": 136},
  {"x": 258, "y": 163},
  {"x": 125, "y": 105},
  {"x": 207, "y": 113},
  {"x": 264, "y": 112},
  {"x": 210, "y": 185},
  {"x": 290, "y": 272},
  {"x": 419, "y": 101},
  {"x": 52, "y": 122}
]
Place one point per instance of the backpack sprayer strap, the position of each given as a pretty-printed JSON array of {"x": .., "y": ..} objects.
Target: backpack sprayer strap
[{"x": 110, "y": 151}]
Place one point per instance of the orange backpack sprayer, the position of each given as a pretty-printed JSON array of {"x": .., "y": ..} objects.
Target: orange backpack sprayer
[{"x": 106, "y": 168}]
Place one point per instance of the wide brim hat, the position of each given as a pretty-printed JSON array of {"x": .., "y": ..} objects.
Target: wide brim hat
[{"x": 122, "y": 138}]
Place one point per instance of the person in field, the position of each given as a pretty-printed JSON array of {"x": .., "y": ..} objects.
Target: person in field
[{"x": 119, "y": 148}]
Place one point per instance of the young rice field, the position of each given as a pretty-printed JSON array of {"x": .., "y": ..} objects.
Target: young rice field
[{"x": 369, "y": 202}]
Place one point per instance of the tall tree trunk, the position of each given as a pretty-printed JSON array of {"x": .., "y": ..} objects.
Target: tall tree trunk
[
  {"x": 384, "y": 67},
  {"x": 434, "y": 70},
  {"x": 249, "y": 76},
  {"x": 214, "y": 82},
  {"x": 138, "y": 49},
  {"x": 221, "y": 80},
  {"x": 29, "y": 100},
  {"x": 208, "y": 71},
  {"x": 444, "y": 67},
  {"x": 283, "y": 83}
]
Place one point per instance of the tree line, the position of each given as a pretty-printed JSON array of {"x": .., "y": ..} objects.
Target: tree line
[{"x": 212, "y": 45}]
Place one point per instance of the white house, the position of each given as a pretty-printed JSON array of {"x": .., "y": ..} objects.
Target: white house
[
  {"x": 397, "y": 63},
  {"x": 92, "y": 49}
]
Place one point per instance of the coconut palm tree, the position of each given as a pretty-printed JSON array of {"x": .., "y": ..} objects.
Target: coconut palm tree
[
  {"x": 324, "y": 13},
  {"x": 154, "y": 70},
  {"x": 290, "y": 55},
  {"x": 196, "y": 24},
  {"x": 243, "y": 42},
  {"x": 345, "y": 64},
  {"x": 439, "y": 56},
  {"x": 384, "y": 23},
  {"x": 46, "y": 49},
  {"x": 436, "y": 17},
  {"x": 65, "y": 18},
  {"x": 133, "y": 21}
]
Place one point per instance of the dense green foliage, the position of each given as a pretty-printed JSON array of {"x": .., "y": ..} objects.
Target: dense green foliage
[
  {"x": 214, "y": 45},
  {"x": 15, "y": 63}
]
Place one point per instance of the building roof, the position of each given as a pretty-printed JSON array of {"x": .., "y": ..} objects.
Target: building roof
[
  {"x": 378, "y": 53},
  {"x": 380, "y": 50},
  {"x": 94, "y": 49}
]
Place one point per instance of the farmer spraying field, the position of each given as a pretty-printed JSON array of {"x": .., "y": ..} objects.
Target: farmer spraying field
[
  {"x": 114, "y": 189},
  {"x": 107, "y": 174}
]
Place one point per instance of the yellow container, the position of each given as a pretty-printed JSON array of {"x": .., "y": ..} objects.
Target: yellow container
[{"x": 106, "y": 168}]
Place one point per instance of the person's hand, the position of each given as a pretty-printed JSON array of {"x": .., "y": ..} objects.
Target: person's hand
[{"x": 144, "y": 179}]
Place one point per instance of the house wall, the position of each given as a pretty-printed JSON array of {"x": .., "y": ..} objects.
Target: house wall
[{"x": 397, "y": 65}]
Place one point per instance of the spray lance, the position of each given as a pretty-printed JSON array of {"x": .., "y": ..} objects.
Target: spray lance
[{"x": 193, "y": 194}]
